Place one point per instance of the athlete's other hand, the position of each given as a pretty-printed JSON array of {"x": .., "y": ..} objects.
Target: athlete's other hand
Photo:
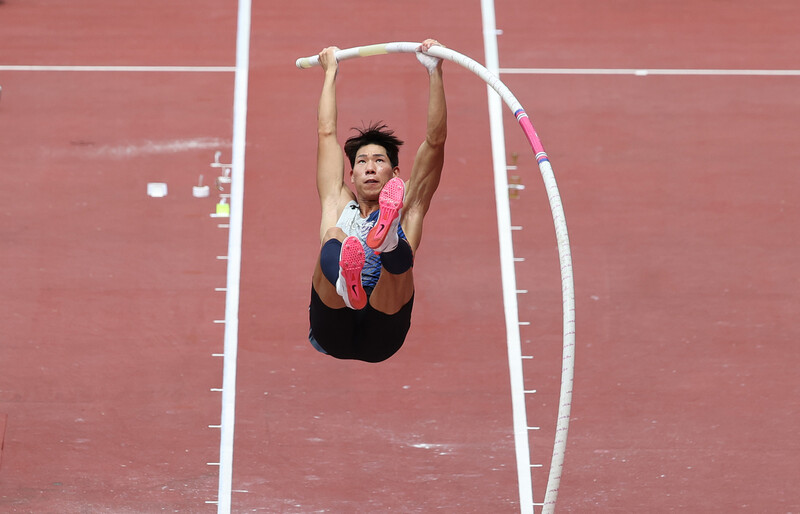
[
  {"x": 431, "y": 63},
  {"x": 327, "y": 59}
]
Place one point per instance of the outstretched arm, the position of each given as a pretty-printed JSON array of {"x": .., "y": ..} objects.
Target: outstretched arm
[
  {"x": 427, "y": 169},
  {"x": 330, "y": 159}
]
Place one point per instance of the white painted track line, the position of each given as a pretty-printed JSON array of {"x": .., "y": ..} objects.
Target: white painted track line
[
  {"x": 507, "y": 270},
  {"x": 645, "y": 71},
  {"x": 231, "y": 344},
  {"x": 163, "y": 69}
]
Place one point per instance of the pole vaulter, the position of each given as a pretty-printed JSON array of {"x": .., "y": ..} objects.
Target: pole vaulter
[{"x": 556, "y": 208}]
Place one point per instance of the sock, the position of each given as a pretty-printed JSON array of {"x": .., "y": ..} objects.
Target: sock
[
  {"x": 329, "y": 259},
  {"x": 399, "y": 260}
]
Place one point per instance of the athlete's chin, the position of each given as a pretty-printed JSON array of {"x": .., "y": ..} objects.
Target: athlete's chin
[{"x": 371, "y": 189}]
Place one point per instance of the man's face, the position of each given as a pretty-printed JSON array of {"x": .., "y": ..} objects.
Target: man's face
[{"x": 371, "y": 171}]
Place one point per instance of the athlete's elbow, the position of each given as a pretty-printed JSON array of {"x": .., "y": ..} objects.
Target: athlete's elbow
[
  {"x": 326, "y": 128},
  {"x": 436, "y": 139}
]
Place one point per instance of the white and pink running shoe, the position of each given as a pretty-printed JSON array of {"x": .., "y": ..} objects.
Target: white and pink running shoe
[
  {"x": 351, "y": 262},
  {"x": 383, "y": 236}
]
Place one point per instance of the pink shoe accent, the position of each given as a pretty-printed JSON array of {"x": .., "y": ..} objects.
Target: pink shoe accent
[
  {"x": 383, "y": 236},
  {"x": 351, "y": 262}
]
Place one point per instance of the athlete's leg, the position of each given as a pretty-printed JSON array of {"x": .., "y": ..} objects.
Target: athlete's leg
[
  {"x": 395, "y": 286},
  {"x": 326, "y": 290},
  {"x": 396, "y": 283},
  {"x": 383, "y": 236},
  {"x": 340, "y": 264}
]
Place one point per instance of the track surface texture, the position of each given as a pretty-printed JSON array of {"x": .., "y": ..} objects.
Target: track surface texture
[{"x": 680, "y": 193}]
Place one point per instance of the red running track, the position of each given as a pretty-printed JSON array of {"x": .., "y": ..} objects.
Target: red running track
[{"x": 680, "y": 194}]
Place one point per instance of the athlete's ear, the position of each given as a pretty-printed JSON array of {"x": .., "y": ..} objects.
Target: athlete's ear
[
  {"x": 396, "y": 171},
  {"x": 351, "y": 176}
]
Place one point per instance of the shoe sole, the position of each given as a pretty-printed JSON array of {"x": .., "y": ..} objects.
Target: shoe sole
[
  {"x": 351, "y": 262},
  {"x": 390, "y": 201}
]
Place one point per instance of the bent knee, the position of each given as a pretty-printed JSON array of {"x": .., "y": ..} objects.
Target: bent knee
[{"x": 334, "y": 233}]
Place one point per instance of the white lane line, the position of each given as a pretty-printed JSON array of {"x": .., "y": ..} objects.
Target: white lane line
[
  {"x": 642, "y": 72},
  {"x": 507, "y": 271},
  {"x": 163, "y": 69},
  {"x": 234, "y": 258}
]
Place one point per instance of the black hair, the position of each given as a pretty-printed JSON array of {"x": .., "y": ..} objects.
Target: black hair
[{"x": 376, "y": 134}]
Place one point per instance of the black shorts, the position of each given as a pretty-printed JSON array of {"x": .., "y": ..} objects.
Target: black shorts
[{"x": 366, "y": 334}]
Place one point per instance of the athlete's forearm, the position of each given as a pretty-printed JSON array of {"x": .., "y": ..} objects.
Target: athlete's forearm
[
  {"x": 437, "y": 110},
  {"x": 330, "y": 169},
  {"x": 327, "y": 113}
]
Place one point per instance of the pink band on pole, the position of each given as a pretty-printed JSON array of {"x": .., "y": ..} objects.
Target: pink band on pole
[{"x": 530, "y": 133}]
